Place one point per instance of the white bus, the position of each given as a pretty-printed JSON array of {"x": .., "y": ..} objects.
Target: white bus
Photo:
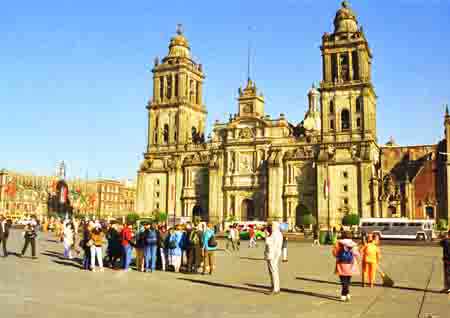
[{"x": 398, "y": 228}]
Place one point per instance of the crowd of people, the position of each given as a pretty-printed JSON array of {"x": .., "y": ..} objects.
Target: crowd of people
[
  {"x": 191, "y": 248},
  {"x": 155, "y": 247}
]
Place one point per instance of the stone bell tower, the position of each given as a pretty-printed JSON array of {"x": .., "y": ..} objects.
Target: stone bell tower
[
  {"x": 176, "y": 112},
  {"x": 348, "y": 97},
  {"x": 347, "y": 170}
]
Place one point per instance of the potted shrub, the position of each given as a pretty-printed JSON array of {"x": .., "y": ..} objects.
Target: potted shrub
[{"x": 307, "y": 220}]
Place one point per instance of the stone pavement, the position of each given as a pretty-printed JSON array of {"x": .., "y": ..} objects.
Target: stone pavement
[{"x": 53, "y": 287}]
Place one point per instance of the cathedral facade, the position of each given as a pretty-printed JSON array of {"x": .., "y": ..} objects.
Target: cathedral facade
[{"x": 255, "y": 167}]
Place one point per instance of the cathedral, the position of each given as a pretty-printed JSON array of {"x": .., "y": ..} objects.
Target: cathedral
[{"x": 255, "y": 167}]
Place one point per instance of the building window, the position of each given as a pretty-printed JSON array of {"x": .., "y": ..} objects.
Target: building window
[
  {"x": 166, "y": 133},
  {"x": 161, "y": 87},
  {"x": 358, "y": 122},
  {"x": 345, "y": 174},
  {"x": 169, "y": 87},
  {"x": 177, "y": 80},
  {"x": 332, "y": 124},
  {"x": 346, "y": 201},
  {"x": 355, "y": 65},
  {"x": 345, "y": 69},
  {"x": 331, "y": 107},
  {"x": 345, "y": 188},
  {"x": 157, "y": 194},
  {"x": 157, "y": 182},
  {"x": 359, "y": 104},
  {"x": 157, "y": 205},
  {"x": 334, "y": 72},
  {"x": 345, "y": 119}
]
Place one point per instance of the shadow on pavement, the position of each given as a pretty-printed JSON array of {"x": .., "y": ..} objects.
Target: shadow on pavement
[
  {"x": 68, "y": 263},
  {"x": 253, "y": 258},
  {"x": 378, "y": 285},
  {"x": 300, "y": 292},
  {"x": 198, "y": 281}
]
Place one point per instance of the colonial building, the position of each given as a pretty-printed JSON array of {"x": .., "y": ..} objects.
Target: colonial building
[
  {"x": 254, "y": 166},
  {"x": 26, "y": 194}
]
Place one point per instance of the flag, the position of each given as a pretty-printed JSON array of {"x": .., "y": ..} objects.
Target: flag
[{"x": 326, "y": 187}]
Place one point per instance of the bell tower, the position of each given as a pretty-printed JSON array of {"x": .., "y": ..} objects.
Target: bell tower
[
  {"x": 348, "y": 99},
  {"x": 251, "y": 104},
  {"x": 176, "y": 112}
]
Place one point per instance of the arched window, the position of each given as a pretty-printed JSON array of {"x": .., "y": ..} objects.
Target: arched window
[
  {"x": 345, "y": 119},
  {"x": 331, "y": 107},
  {"x": 359, "y": 104},
  {"x": 169, "y": 87},
  {"x": 166, "y": 133},
  {"x": 358, "y": 122}
]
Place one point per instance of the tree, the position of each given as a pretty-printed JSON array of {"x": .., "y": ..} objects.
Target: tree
[
  {"x": 132, "y": 218},
  {"x": 159, "y": 216},
  {"x": 307, "y": 219},
  {"x": 442, "y": 225},
  {"x": 350, "y": 219}
]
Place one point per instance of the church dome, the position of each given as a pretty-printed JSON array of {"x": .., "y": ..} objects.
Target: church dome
[
  {"x": 345, "y": 20},
  {"x": 179, "y": 45}
]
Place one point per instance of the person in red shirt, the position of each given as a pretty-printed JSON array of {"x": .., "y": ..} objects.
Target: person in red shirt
[
  {"x": 252, "y": 237},
  {"x": 127, "y": 249}
]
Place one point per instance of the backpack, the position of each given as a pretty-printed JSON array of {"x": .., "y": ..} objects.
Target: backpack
[
  {"x": 212, "y": 241},
  {"x": 345, "y": 256},
  {"x": 195, "y": 240},
  {"x": 172, "y": 244}
]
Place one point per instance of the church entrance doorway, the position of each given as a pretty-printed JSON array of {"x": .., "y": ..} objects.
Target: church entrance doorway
[
  {"x": 197, "y": 211},
  {"x": 248, "y": 210}
]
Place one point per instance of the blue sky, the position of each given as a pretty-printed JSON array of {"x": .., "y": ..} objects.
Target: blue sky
[{"x": 76, "y": 77}]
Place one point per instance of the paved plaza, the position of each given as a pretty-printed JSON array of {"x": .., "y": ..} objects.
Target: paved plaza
[{"x": 53, "y": 287}]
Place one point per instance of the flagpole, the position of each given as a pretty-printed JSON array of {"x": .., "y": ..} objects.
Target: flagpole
[{"x": 328, "y": 199}]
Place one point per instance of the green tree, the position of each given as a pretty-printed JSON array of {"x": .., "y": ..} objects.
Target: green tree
[
  {"x": 350, "y": 219},
  {"x": 307, "y": 219},
  {"x": 132, "y": 218},
  {"x": 442, "y": 225},
  {"x": 159, "y": 216}
]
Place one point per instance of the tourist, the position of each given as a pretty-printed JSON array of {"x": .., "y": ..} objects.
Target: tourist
[
  {"x": 370, "y": 258},
  {"x": 114, "y": 246},
  {"x": 231, "y": 238},
  {"x": 139, "y": 249},
  {"x": 445, "y": 243},
  {"x": 272, "y": 254},
  {"x": 29, "y": 235},
  {"x": 209, "y": 248},
  {"x": 97, "y": 238},
  {"x": 284, "y": 249},
  {"x": 162, "y": 244},
  {"x": 127, "y": 249},
  {"x": 86, "y": 244},
  {"x": 4, "y": 234},
  {"x": 194, "y": 250},
  {"x": 316, "y": 233},
  {"x": 251, "y": 237},
  {"x": 174, "y": 247},
  {"x": 68, "y": 240},
  {"x": 346, "y": 265},
  {"x": 150, "y": 247}
]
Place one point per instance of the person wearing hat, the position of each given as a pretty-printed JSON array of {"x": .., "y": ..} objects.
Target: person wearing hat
[{"x": 445, "y": 244}]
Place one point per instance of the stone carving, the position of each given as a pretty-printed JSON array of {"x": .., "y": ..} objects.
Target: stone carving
[
  {"x": 331, "y": 151},
  {"x": 246, "y": 164},
  {"x": 246, "y": 133},
  {"x": 354, "y": 152},
  {"x": 232, "y": 161},
  {"x": 146, "y": 165}
]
